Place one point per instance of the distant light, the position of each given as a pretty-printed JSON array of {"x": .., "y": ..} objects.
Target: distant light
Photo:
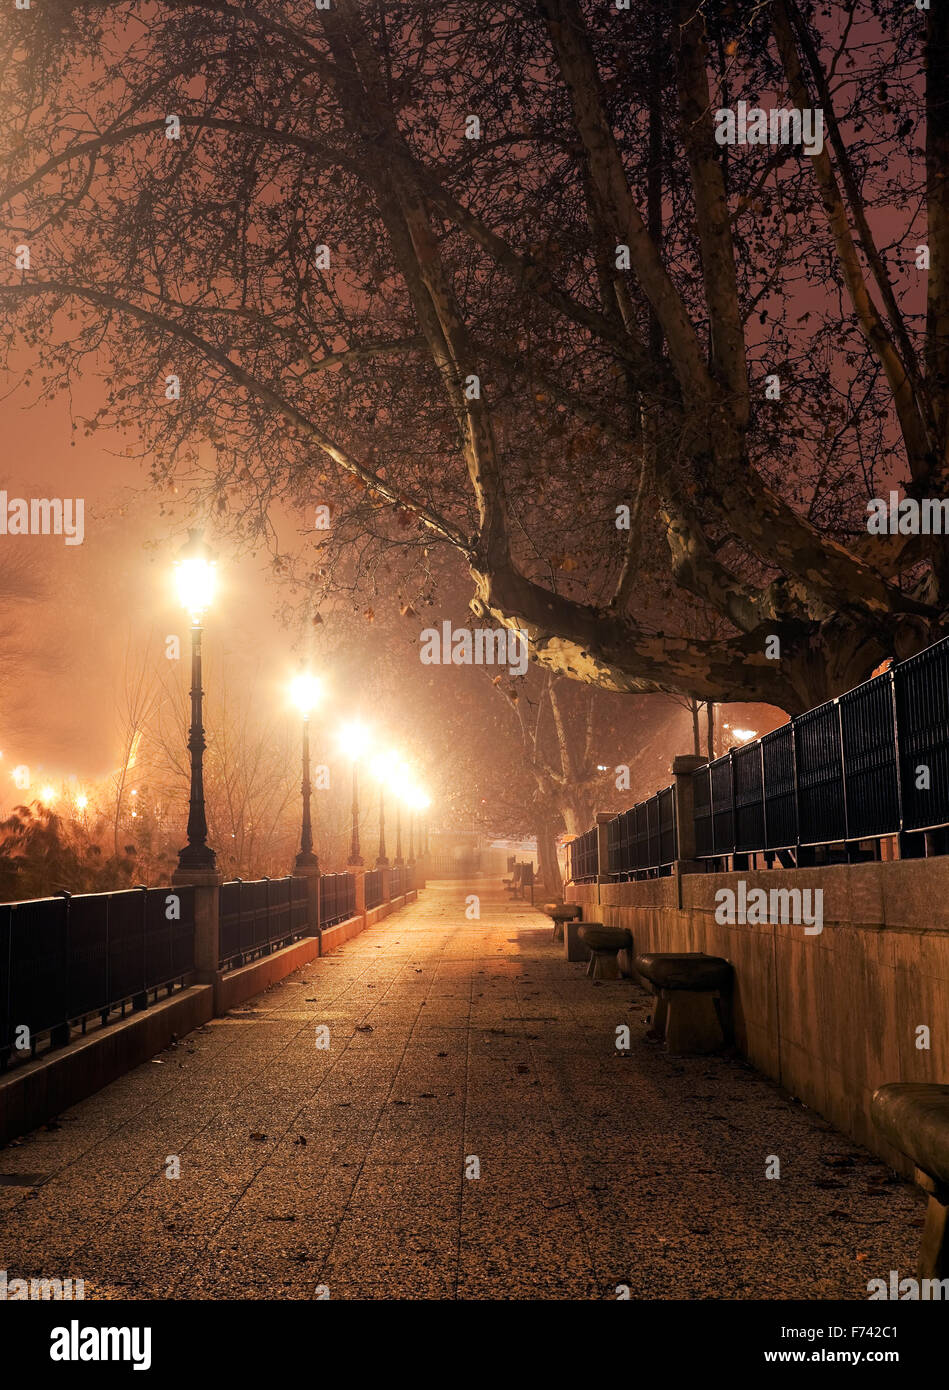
[
  {"x": 48, "y": 794},
  {"x": 134, "y": 814},
  {"x": 601, "y": 767},
  {"x": 82, "y": 801},
  {"x": 384, "y": 765},
  {"x": 743, "y": 735},
  {"x": 354, "y": 740},
  {"x": 134, "y": 791}
]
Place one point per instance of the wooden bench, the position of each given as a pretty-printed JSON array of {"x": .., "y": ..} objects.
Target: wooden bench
[
  {"x": 514, "y": 882},
  {"x": 688, "y": 987},
  {"x": 914, "y": 1117},
  {"x": 604, "y": 944}
]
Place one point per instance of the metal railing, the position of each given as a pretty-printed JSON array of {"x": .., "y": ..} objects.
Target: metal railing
[
  {"x": 64, "y": 960},
  {"x": 445, "y": 864},
  {"x": 396, "y": 880},
  {"x": 583, "y": 857},
  {"x": 867, "y": 765},
  {"x": 373, "y": 888},
  {"x": 644, "y": 837},
  {"x": 258, "y": 915},
  {"x": 337, "y": 898}
]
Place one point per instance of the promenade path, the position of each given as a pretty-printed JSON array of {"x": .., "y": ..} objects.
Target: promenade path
[{"x": 345, "y": 1167}]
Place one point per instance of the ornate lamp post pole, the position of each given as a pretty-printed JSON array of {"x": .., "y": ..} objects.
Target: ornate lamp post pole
[
  {"x": 195, "y": 575},
  {"x": 305, "y": 692},
  {"x": 354, "y": 739},
  {"x": 382, "y": 770}
]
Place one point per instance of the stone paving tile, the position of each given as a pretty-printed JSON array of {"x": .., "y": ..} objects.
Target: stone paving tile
[{"x": 449, "y": 1040}]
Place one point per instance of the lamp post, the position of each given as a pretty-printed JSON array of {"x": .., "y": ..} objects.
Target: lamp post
[
  {"x": 382, "y": 771},
  {"x": 195, "y": 574},
  {"x": 417, "y": 801},
  {"x": 354, "y": 740},
  {"x": 305, "y": 691}
]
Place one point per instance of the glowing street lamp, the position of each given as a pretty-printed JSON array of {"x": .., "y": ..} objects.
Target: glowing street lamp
[
  {"x": 195, "y": 576},
  {"x": 399, "y": 781},
  {"x": 416, "y": 800},
  {"x": 48, "y": 794},
  {"x": 422, "y": 803},
  {"x": 382, "y": 768},
  {"x": 305, "y": 691},
  {"x": 354, "y": 743}
]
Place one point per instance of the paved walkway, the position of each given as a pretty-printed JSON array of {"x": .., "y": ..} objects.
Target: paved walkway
[{"x": 450, "y": 1040}]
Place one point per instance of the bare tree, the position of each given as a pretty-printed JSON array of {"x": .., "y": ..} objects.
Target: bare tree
[{"x": 490, "y": 345}]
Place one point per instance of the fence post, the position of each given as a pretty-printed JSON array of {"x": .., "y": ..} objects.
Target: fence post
[
  {"x": 386, "y": 883},
  {"x": 310, "y": 872},
  {"x": 207, "y": 919},
  {"x": 603, "y": 819},
  {"x": 140, "y": 1001},
  {"x": 682, "y": 768},
  {"x": 359, "y": 909},
  {"x": 59, "y": 1036}
]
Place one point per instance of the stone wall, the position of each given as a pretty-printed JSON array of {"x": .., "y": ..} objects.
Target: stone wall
[{"x": 829, "y": 1016}]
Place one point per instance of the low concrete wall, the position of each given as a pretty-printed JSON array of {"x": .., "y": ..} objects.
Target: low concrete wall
[
  {"x": 36, "y": 1091},
  {"x": 830, "y": 1016},
  {"x": 232, "y": 987}
]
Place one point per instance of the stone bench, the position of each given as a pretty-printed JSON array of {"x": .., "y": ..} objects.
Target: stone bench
[
  {"x": 604, "y": 944},
  {"x": 914, "y": 1117},
  {"x": 560, "y": 913},
  {"x": 688, "y": 987}
]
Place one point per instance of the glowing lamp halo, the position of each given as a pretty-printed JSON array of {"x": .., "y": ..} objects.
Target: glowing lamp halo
[
  {"x": 305, "y": 692},
  {"x": 196, "y": 577}
]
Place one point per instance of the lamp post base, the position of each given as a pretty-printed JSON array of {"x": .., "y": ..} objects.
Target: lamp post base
[{"x": 197, "y": 859}]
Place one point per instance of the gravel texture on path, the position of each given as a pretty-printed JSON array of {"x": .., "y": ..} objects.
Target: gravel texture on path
[{"x": 456, "y": 1047}]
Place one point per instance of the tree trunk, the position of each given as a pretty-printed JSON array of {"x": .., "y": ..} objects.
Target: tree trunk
[
  {"x": 710, "y": 728},
  {"x": 548, "y": 866}
]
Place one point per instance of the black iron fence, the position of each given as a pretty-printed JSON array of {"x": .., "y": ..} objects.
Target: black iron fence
[
  {"x": 871, "y": 764},
  {"x": 644, "y": 837},
  {"x": 373, "y": 888},
  {"x": 66, "y": 959},
  {"x": 260, "y": 915},
  {"x": 337, "y": 898},
  {"x": 583, "y": 857},
  {"x": 453, "y": 864}
]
